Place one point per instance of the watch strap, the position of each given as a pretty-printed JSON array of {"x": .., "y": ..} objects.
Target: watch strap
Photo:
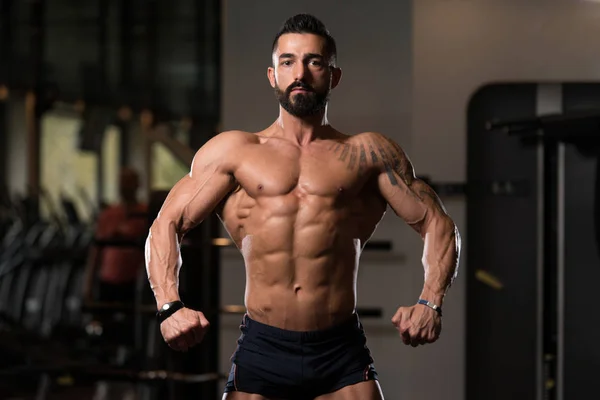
[
  {"x": 435, "y": 307},
  {"x": 169, "y": 309}
]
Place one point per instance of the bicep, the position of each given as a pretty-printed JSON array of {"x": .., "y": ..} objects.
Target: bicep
[
  {"x": 195, "y": 196},
  {"x": 210, "y": 179},
  {"x": 412, "y": 199}
]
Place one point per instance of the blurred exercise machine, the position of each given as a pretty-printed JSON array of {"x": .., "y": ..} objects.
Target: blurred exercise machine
[{"x": 53, "y": 341}]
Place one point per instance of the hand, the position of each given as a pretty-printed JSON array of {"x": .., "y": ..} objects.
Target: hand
[
  {"x": 418, "y": 325},
  {"x": 184, "y": 329}
]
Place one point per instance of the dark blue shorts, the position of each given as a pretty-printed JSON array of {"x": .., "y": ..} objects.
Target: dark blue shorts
[{"x": 277, "y": 363}]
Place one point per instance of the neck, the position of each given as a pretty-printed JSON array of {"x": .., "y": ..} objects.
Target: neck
[{"x": 302, "y": 130}]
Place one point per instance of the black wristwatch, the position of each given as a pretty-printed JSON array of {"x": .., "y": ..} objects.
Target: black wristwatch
[{"x": 168, "y": 309}]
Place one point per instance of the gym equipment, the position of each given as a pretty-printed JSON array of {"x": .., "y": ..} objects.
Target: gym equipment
[
  {"x": 74, "y": 375},
  {"x": 36, "y": 261},
  {"x": 564, "y": 142},
  {"x": 94, "y": 372}
]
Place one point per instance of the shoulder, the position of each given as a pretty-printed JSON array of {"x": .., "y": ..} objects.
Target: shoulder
[
  {"x": 223, "y": 143},
  {"x": 386, "y": 155},
  {"x": 380, "y": 146},
  {"x": 377, "y": 138},
  {"x": 372, "y": 142},
  {"x": 364, "y": 138},
  {"x": 238, "y": 135},
  {"x": 224, "y": 149},
  {"x": 231, "y": 138}
]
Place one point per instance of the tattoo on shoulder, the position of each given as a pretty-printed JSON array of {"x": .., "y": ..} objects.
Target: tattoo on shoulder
[
  {"x": 401, "y": 165},
  {"x": 388, "y": 166},
  {"x": 393, "y": 160},
  {"x": 349, "y": 155},
  {"x": 398, "y": 168},
  {"x": 385, "y": 155},
  {"x": 352, "y": 161},
  {"x": 374, "y": 158},
  {"x": 362, "y": 164},
  {"x": 372, "y": 152},
  {"x": 344, "y": 152}
]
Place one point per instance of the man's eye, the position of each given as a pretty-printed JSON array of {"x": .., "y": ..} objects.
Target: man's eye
[{"x": 286, "y": 63}]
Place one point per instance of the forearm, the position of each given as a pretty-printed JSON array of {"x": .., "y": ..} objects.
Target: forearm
[
  {"x": 163, "y": 261},
  {"x": 440, "y": 258}
]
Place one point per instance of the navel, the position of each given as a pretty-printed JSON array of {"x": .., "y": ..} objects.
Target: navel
[{"x": 260, "y": 187}]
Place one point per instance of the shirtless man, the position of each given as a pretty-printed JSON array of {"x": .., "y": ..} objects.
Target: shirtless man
[{"x": 300, "y": 200}]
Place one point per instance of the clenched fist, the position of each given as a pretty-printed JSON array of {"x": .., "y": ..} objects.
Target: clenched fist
[
  {"x": 417, "y": 325},
  {"x": 184, "y": 329}
]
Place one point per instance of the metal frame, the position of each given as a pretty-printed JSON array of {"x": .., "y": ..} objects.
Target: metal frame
[
  {"x": 549, "y": 100},
  {"x": 560, "y": 266},
  {"x": 551, "y": 385},
  {"x": 557, "y": 131},
  {"x": 540, "y": 381}
]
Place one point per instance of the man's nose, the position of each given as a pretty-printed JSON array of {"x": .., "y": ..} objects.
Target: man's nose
[{"x": 300, "y": 71}]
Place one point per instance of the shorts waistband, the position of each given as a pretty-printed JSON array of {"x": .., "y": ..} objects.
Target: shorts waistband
[{"x": 252, "y": 327}]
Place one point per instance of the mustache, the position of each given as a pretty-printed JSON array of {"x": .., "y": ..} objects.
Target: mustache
[{"x": 300, "y": 85}]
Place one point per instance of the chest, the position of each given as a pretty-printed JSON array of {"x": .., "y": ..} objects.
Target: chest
[{"x": 318, "y": 171}]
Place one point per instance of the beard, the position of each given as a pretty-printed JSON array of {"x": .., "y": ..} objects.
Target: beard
[{"x": 302, "y": 105}]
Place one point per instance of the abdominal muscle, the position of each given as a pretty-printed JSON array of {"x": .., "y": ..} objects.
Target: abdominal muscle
[
  {"x": 301, "y": 294},
  {"x": 301, "y": 269}
]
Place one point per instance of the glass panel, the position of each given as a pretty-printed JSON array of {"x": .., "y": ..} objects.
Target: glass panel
[
  {"x": 111, "y": 160},
  {"x": 167, "y": 170},
  {"x": 65, "y": 170}
]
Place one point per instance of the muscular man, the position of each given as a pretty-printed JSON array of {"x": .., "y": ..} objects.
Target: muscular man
[{"x": 300, "y": 200}]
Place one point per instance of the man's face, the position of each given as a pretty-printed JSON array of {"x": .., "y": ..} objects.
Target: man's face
[{"x": 302, "y": 77}]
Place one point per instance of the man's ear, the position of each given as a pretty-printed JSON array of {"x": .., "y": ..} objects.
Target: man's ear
[
  {"x": 271, "y": 76},
  {"x": 336, "y": 76}
]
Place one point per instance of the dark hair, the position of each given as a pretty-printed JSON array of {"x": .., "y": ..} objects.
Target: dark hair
[{"x": 306, "y": 23}]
